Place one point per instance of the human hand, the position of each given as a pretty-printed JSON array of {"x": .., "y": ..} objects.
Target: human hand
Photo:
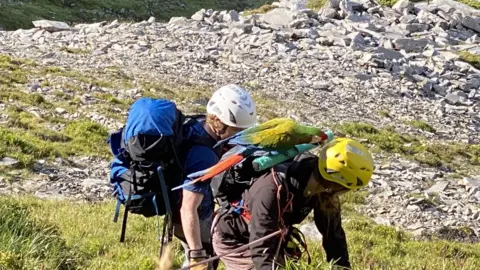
[{"x": 200, "y": 266}]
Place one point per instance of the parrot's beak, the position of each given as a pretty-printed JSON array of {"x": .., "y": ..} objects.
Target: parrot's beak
[{"x": 316, "y": 139}]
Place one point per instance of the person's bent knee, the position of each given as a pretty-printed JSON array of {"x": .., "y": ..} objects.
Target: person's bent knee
[{"x": 241, "y": 260}]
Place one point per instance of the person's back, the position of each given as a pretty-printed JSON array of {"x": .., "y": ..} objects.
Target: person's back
[
  {"x": 285, "y": 196},
  {"x": 262, "y": 200}
]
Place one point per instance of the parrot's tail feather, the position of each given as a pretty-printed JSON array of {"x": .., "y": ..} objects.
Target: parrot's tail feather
[
  {"x": 221, "y": 166},
  {"x": 221, "y": 141},
  {"x": 227, "y": 139},
  {"x": 214, "y": 170},
  {"x": 242, "y": 140},
  {"x": 197, "y": 174},
  {"x": 241, "y": 133},
  {"x": 184, "y": 185}
]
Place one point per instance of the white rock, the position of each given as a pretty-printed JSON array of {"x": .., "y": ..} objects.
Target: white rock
[
  {"x": 51, "y": 26},
  {"x": 438, "y": 187},
  {"x": 8, "y": 161},
  {"x": 470, "y": 182}
]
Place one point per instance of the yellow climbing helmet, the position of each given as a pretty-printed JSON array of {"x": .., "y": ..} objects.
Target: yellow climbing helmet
[{"x": 346, "y": 162}]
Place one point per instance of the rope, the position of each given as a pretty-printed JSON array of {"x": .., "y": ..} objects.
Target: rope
[
  {"x": 281, "y": 211},
  {"x": 233, "y": 251}
]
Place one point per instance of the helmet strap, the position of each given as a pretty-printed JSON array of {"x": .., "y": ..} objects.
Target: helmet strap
[
  {"x": 222, "y": 131},
  {"x": 217, "y": 132},
  {"x": 313, "y": 186}
]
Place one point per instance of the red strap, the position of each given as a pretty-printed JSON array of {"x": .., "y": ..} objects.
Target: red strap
[
  {"x": 246, "y": 214},
  {"x": 244, "y": 210}
]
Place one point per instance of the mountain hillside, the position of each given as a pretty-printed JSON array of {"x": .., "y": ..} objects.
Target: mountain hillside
[
  {"x": 403, "y": 79},
  {"x": 16, "y": 14}
]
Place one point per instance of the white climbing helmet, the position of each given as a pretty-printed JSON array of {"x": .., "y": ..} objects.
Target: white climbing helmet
[{"x": 233, "y": 106}]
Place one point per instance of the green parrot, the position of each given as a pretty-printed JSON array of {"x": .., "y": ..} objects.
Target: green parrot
[{"x": 278, "y": 135}]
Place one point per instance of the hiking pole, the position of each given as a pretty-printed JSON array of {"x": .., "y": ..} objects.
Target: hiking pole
[
  {"x": 233, "y": 251},
  {"x": 277, "y": 252},
  {"x": 168, "y": 209}
]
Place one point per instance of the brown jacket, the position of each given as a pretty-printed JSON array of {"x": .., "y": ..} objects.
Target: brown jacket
[{"x": 261, "y": 200}]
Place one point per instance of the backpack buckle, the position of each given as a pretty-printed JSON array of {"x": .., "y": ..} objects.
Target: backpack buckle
[{"x": 239, "y": 208}]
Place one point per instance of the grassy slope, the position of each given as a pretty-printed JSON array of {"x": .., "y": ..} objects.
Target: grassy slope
[
  {"x": 82, "y": 236},
  {"x": 15, "y": 15},
  {"x": 451, "y": 155},
  {"x": 24, "y": 136}
]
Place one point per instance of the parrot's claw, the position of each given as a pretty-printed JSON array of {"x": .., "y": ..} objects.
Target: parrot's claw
[{"x": 260, "y": 153}]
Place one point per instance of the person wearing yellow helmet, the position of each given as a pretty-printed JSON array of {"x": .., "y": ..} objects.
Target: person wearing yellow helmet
[
  {"x": 347, "y": 163},
  {"x": 285, "y": 196}
]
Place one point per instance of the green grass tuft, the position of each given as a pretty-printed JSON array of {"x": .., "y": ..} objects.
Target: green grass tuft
[
  {"x": 88, "y": 136},
  {"x": 261, "y": 10},
  {"x": 316, "y": 4},
  {"x": 422, "y": 125},
  {"x": 26, "y": 139},
  {"x": 470, "y": 58},
  {"x": 112, "y": 100},
  {"x": 383, "y": 247},
  {"x": 81, "y": 76},
  {"x": 388, "y": 3},
  {"x": 83, "y": 236},
  {"x": 74, "y": 236},
  {"x": 12, "y": 71},
  {"x": 74, "y": 50},
  {"x": 472, "y": 3},
  {"x": 267, "y": 106},
  {"x": 9, "y": 95},
  {"x": 27, "y": 244},
  {"x": 384, "y": 113}
]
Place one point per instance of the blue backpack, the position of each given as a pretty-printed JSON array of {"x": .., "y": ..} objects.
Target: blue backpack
[{"x": 149, "y": 143}]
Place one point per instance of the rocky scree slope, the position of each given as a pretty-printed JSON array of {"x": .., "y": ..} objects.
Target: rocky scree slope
[{"x": 403, "y": 79}]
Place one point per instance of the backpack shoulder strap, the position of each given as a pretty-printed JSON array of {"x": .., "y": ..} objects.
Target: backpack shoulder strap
[
  {"x": 206, "y": 141},
  {"x": 180, "y": 120}
]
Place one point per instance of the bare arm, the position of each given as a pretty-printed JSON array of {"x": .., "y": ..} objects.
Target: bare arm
[
  {"x": 329, "y": 223},
  {"x": 193, "y": 196},
  {"x": 190, "y": 220}
]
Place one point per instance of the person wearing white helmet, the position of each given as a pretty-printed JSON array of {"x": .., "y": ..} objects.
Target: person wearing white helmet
[
  {"x": 229, "y": 111},
  {"x": 231, "y": 106}
]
